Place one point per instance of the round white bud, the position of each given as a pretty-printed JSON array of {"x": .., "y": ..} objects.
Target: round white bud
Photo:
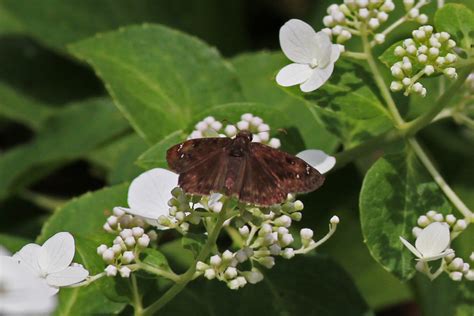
[
  {"x": 450, "y": 219},
  {"x": 244, "y": 231},
  {"x": 337, "y": 30},
  {"x": 328, "y": 31},
  {"x": 306, "y": 233},
  {"x": 332, "y": 8},
  {"x": 408, "y": 4},
  {"x": 243, "y": 125},
  {"x": 216, "y": 207},
  {"x": 422, "y": 19},
  {"x": 256, "y": 121},
  {"x": 296, "y": 216},
  {"x": 469, "y": 275},
  {"x": 267, "y": 262},
  {"x": 111, "y": 270},
  {"x": 382, "y": 16},
  {"x": 379, "y": 38},
  {"x": 101, "y": 249},
  {"x": 417, "y": 87},
  {"x": 118, "y": 212},
  {"x": 241, "y": 281},
  {"x": 230, "y": 130},
  {"x": 215, "y": 260},
  {"x": 434, "y": 42},
  {"x": 388, "y": 6},
  {"x": 456, "y": 264},
  {"x": 406, "y": 81},
  {"x": 411, "y": 49},
  {"x": 423, "y": 221},
  {"x": 429, "y": 70},
  {"x": 128, "y": 257},
  {"x": 253, "y": 276},
  {"x": 107, "y": 228},
  {"x": 397, "y": 72},
  {"x": 274, "y": 143},
  {"x": 241, "y": 255},
  {"x": 420, "y": 266},
  {"x": 201, "y": 266},
  {"x": 143, "y": 241},
  {"x": 364, "y": 13},
  {"x": 460, "y": 225},
  {"x": 216, "y": 125},
  {"x": 328, "y": 21},
  {"x": 422, "y": 58},
  {"x": 246, "y": 117},
  {"x": 465, "y": 267},
  {"x": 130, "y": 241},
  {"x": 126, "y": 233},
  {"x": 450, "y": 72},
  {"x": 108, "y": 255},
  {"x": 455, "y": 276},
  {"x": 440, "y": 61},
  {"x": 438, "y": 217},
  {"x": 419, "y": 35},
  {"x": 230, "y": 272},
  {"x": 125, "y": 272},
  {"x": 338, "y": 17},
  {"x": 374, "y": 23},
  {"x": 413, "y": 13},
  {"x": 264, "y": 136},
  {"x": 334, "y": 220},
  {"x": 433, "y": 52},
  {"x": 209, "y": 120},
  {"x": 431, "y": 214},
  {"x": 450, "y": 256},
  {"x": 227, "y": 255},
  {"x": 451, "y": 43},
  {"x": 288, "y": 253},
  {"x": 286, "y": 239},
  {"x": 283, "y": 220},
  {"x": 233, "y": 285},
  {"x": 396, "y": 86},
  {"x": 416, "y": 231},
  {"x": 117, "y": 248},
  {"x": 450, "y": 58},
  {"x": 275, "y": 250},
  {"x": 265, "y": 229},
  {"x": 201, "y": 126},
  {"x": 362, "y": 3},
  {"x": 210, "y": 274},
  {"x": 137, "y": 232},
  {"x": 112, "y": 220}
]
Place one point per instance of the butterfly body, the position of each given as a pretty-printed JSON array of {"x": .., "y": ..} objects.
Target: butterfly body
[{"x": 252, "y": 172}]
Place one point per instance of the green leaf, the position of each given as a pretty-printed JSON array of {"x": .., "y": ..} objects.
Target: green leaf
[
  {"x": 388, "y": 57},
  {"x": 22, "y": 109},
  {"x": 193, "y": 242},
  {"x": 12, "y": 243},
  {"x": 57, "y": 23},
  {"x": 69, "y": 134},
  {"x": 396, "y": 190},
  {"x": 326, "y": 288},
  {"x": 155, "y": 157},
  {"x": 86, "y": 214},
  {"x": 457, "y": 20},
  {"x": 348, "y": 106},
  {"x": 256, "y": 72},
  {"x": 154, "y": 258},
  {"x": 159, "y": 77}
]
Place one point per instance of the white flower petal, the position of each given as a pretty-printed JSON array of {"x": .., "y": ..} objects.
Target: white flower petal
[
  {"x": 28, "y": 256},
  {"x": 293, "y": 74},
  {"x": 150, "y": 192},
  {"x": 297, "y": 40},
  {"x": 23, "y": 292},
  {"x": 57, "y": 253},
  {"x": 317, "y": 79},
  {"x": 433, "y": 239},
  {"x": 410, "y": 247},
  {"x": 322, "y": 49},
  {"x": 68, "y": 276},
  {"x": 318, "y": 159},
  {"x": 4, "y": 251},
  {"x": 335, "y": 53},
  {"x": 438, "y": 256}
]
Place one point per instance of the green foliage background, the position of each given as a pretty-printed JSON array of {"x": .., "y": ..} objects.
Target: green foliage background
[{"x": 93, "y": 92}]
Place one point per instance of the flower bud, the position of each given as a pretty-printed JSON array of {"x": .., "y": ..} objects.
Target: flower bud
[
  {"x": 450, "y": 58},
  {"x": 125, "y": 272},
  {"x": 108, "y": 255},
  {"x": 438, "y": 217},
  {"x": 379, "y": 38},
  {"x": 215, "y": 260},
  {"x": 274, "y": 143},
  {"x": 275, "y": 250},
  {"x": 411, "y": 49},
  {"x": 241, "y": 281},
  {"x": 408, "y": 4},
  {"x": 334, "y": 220},
  {"x": 364, "y": 13},
  {"x": 117, "y": 248},
  {"x": 230, "y": 272},
  {"x": 456, "y": 264},
  {"x": 422, "y": 58},
  {"x": 107, "y": 228},
  {"x": 471, "y": 257},
  {"x": 128, "y": 257},
  {"x": 451, "y": 43},
  {"x": 137, "y": 232},
  {"x": 118, "y": 212},
  {"x": 201, "y": 266},
  {"x": 423, "y": 221},
  {"x": 233, "y": 285},
  {"x": 422, "y": 19},
  {"x": 396, "y": 86},
  {"x": 111, "y": 270},
  {"x": 210, "y": 274},
  {"x": 286, "y": 240},
  {"x": 429, "y": 70},
  {"x": 406, "y": 81},
  {"x": 130, "y": 241},
  {"x": 465, "y": 267},
  {"x": 413, "y": 13},
  {"x": 283, "y": 220},
  {"x": 306, "y": 233},
  {"x": 460, "y": 225},
  {"x": 433, "y": 52},
  {"x": 388, "y": 6},
  {"x": 296, "y": 216},
  {"x": 469, "y": 275},
  {"x": 244, "y": 231},
  {"x": 126, "y": 233},
  {"x": 374, "y": 23},
  {"x": 267, "y": 262},
  {"x": 288, "y": 253},
  {"x": 448, "y": 258},
  {"x": 112, "y": 221},
  {"x": 420, "y": 266},
  {"x": 101, "y": 249},
  {"x": 455, "y": 276},
  {"x": 399, "y": 51},
  {"x": 243, "y": 125},
  {"x": 416, "y": 231},
  {"x": 253, "y": 276}
]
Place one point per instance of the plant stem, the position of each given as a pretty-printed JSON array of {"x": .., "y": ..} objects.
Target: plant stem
[
  {"x": 185, "y": 278},
  {"x": 457, "y": 202},
  {"x": 154, "y": 270},
  {"x": 88, "y": 281},
  {"x": 411, "y": 128},
  {"x": 136, "y": 298},
  {"x": 355, "y": 55},
  {"x": 379, "y": 79}
]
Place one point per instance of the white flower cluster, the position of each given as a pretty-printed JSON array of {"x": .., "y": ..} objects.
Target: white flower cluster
[
  {"x": 434, "y": 234},
  {"x": 345, "y": 20},
  {"x": 127, "y": 245},
  {"x": 265, "y": 234},
  {"x": 426, "y": 53},
  {"x": 210, "y": 127}
]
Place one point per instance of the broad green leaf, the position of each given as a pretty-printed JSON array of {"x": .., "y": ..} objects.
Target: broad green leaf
[
  {"x": 310, "y": 285},
  {"x": 347, "y": 105},
  {"x": 69, "y": 134},
  {"x": 396, "y": 190},
  {"x": 118, "y": 158},
  {"x": 457, "y": 20},
  {"x": 86, "y": 214},
  {"x": 154, "y": 258},
  {"x": 155, "y": 157},
  {"x": 22, "y": 109},
  {"x": 257, "y": 72},
  {"x": 158, "y": 77},
  {"x": 57, "y": 23},
  {"x": 12, "y": 243}
]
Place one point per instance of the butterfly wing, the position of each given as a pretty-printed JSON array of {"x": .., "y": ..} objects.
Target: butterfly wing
[
  {"x": 187, "y": 155},
  {"x": 201, "y": 164},
  {"x": 271, "y": 174}
]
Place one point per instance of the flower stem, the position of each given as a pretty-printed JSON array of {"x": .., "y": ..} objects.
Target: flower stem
[
  {"x": 450, "y": 194},
  {"x": 136, "y": 298},
  {"x": 355, "y": 55},
  {"x": 88, "y": 281},
  {"x": 186, "y": 277},
  {"x": 154, "y": 270},
  {"x": 411, "y": 128},
  {"x": 379, "y": 79}
]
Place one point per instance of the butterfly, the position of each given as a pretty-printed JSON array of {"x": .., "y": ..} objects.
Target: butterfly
[{"x": 252, "y": 172}]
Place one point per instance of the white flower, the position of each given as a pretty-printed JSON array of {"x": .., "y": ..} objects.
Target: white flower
[
  {"x": 149, "y": 194},
  {"x": 313, "y": 55},
  {"x": 318, "y": 159},
  {"x": 432, "y": 243},
  {"x": 21, "y": 292},
  {"x": 52, "y": 261}
]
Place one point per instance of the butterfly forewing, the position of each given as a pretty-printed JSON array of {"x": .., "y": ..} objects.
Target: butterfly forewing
[
  {"x": 293, "y": 174},
  {"x": 189, "y": 154}
]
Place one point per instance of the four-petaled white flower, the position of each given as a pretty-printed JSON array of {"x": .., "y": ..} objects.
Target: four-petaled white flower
[
  {"x": 313, "y": 55},
  {"x": 318, "y": 159},
  {"x": 22, "y": 292},
  {"x": 432, "y": 243},
  {"x": 149, "y": 193},
  {"x": 51, "y": 262}
]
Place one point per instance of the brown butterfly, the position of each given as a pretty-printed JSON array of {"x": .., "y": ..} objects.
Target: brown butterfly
[{"x": 253, "y": 172}]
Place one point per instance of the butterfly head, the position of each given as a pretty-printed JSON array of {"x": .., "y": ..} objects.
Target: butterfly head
[{"x": 244, "y": 136}]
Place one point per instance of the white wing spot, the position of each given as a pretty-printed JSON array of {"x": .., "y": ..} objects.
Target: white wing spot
[{"x": 182, "y": 156}]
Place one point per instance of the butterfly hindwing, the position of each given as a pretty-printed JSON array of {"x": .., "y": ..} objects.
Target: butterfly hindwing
[
  {"x": 292, "y": 173},
  {"x": 187, "y": 155}
]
